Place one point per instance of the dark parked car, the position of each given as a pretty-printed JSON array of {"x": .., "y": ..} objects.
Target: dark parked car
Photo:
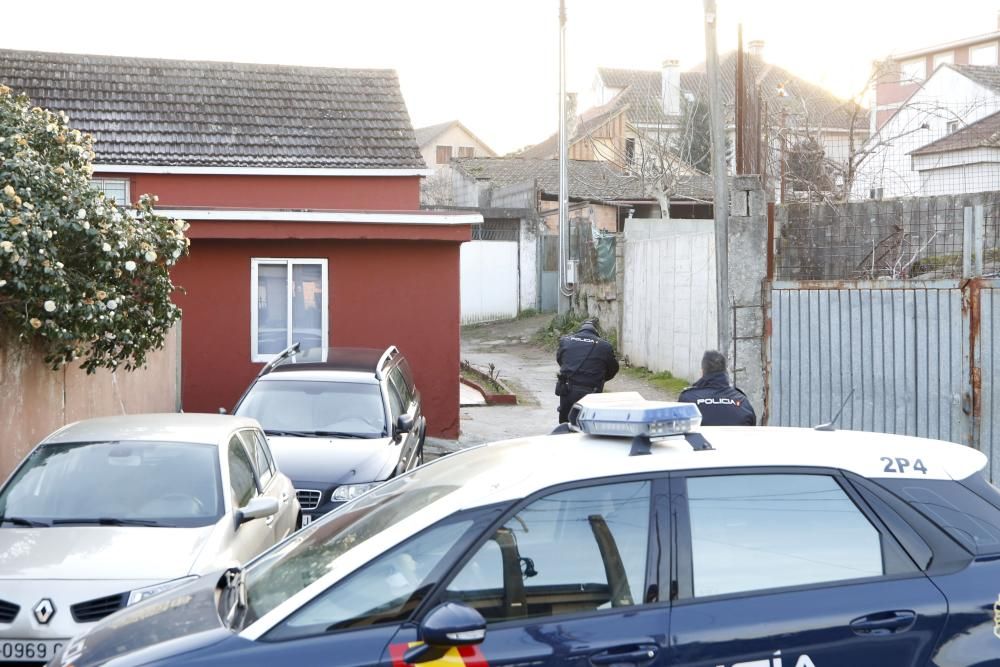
[{"x": 339, "y": 420}]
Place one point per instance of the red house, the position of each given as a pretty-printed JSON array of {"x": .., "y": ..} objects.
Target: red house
[{"x": 302, "y": 187}]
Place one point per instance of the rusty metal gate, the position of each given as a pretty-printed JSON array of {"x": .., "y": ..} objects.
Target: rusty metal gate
[{"x": 920, "y": 357}]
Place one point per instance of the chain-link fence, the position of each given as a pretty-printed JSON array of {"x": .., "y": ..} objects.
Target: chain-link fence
[{"x": 911, "y": 238}]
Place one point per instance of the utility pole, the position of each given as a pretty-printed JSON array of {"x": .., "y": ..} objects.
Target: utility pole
[
  {"x": 721, "y": 198},
  {"x": 564, "y": 292}
]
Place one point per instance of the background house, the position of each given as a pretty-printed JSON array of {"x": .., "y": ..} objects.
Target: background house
[
  {"x": 439, "y": 144},
  {"x": 302, "y": 188},
  {"x": 965, "y": 161},
  {"x": 900, "y": 75},
  {"x": 953, "y": 97}
]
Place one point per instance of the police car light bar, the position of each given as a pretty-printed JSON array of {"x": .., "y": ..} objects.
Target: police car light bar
[{"x": 628, "y": 414}]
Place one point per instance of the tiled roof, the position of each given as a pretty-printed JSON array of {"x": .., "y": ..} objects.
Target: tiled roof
[
  {"x": 985, "y": 132},
  {"x": 588, "y": 121},
  {"x": 985, "y": 75},
  {"x": 425, "y": 134},
  {"x": 588, "y": 179},
  {"x": 145, "y": 111},
  {"x": 642, "y": 91}
]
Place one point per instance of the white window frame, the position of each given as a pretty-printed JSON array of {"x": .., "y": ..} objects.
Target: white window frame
[
  {"x": 913, "y": 70},
  {"x": 975, "y": 58},
  {"x": 101, "y": 184},
  {"x": 290, "y": 263},
  {"x": 945, "y": 57}
]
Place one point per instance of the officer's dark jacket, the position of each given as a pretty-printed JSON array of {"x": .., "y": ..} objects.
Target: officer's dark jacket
[
  {"x": 720, "y": 404},
  {"x": 583, "y": 371}
]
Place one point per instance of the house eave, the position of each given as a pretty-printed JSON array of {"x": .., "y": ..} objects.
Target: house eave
[
  {"x": 259, "y": 171},
  {"x": 347, "y": 217}
]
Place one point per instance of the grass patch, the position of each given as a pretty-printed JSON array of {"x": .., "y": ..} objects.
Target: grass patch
[
  {"x": 560, "y": 325},
  {"x": 663, "y": 380},
  {"x": 485, "y": 379},
  {"x": 526, "y": 313}
]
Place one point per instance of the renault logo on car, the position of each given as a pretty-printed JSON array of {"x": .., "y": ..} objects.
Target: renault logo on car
[{"x": 44, "y": 611}]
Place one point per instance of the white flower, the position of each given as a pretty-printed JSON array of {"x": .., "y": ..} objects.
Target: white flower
[
  {"x": 2, "y": 282},
  {"x": 81, "y": 214},
  {"x": 86, "y": 225},
  {"x": 6, "y": 246},
  {"x": 130, "y": 265},
  {"x": 59, "y": 265},
  {"x": 179, "y": 225},
  {"x": 116, "y": 217},
  {"x": 176, "y": 253},
  {"x": 50, "y": 306},
  {"x": 150, "y": 256},
  {"x": 112, "y": 304},
  {"x": 99, "y": 210},
  {"x": 106, "y": 247}
]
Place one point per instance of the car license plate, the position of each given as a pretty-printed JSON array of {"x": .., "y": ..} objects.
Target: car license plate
[
  {"x": 306, "y": 520},
  {"x": 39, "y": 650}
]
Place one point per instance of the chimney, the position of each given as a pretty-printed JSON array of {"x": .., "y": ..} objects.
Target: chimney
[
  {"x": 756, "y": 48},
  {"x": 670, "y": 87}
]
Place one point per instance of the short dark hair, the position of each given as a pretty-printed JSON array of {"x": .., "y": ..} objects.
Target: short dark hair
[{"x": 713, "y": 362}]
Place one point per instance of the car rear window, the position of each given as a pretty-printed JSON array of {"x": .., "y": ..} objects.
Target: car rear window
[{"x": 968, "y": 510}]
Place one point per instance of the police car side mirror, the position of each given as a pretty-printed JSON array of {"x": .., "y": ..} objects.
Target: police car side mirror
[
  {"x": 447, "y": 625},
  {"x": 404, "y": 424}
]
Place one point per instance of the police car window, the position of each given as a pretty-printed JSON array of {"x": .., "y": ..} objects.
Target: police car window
[
  {"x": 240, "y": 473},
  {"x": 396, "y": 378},
  {"x": 387, "y": 590},
  {"x": 970, "y": 519},
  {"x": 395, "y": 401},
  {"x": 753, "y": 532},
  {"x": 573, "y": 551}
]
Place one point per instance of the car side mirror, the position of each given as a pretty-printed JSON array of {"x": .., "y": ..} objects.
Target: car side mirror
[
  {"x": 258, "y": 508},
  {"x": 447, "y": 625},
  {"x": 404, "y": 424}
]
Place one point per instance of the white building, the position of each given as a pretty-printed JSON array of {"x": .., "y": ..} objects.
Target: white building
[{"x": 962, "y": 162}]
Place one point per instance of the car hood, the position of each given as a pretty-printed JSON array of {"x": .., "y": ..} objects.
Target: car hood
[
  {"x": 168, "y": 625},
  {"x": 335, "y": 460},
  {"x": 99, "y": 552}
]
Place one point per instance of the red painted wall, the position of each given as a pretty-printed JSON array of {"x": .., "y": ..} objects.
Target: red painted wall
[
  {"x": 380, "y": 292},
  {"x": 373, "y": 193}
]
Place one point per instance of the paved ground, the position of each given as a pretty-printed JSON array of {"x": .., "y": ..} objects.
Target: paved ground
[{"x": 529, "y": 370}]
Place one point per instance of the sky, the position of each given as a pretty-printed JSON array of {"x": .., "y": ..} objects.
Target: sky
[{"x": 493, "y": 64}]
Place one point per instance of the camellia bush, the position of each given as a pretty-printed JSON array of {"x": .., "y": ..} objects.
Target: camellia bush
[{"x": 86, "y": 277}]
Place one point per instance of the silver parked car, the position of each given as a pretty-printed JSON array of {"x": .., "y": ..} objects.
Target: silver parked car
[{"x": 108, "y": 512}]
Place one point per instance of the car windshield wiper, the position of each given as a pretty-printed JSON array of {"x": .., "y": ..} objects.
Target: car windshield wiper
[
  {"x": 106, "y": 521},
  {"x": 294, "y": 434},
  {"x": 21, "y": 521},
  {"x": 338, "y": 434}
]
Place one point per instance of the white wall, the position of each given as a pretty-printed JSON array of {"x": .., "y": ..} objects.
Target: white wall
[
  {"x": 945, "y": 97},
  {"x": 959, "y": 172},
  {"x": 669, "y": 311},
  {"x": 454, "y": 136}
]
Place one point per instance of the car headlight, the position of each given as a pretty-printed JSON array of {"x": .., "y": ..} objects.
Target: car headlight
[
  {"x": 351, "y": 491},
  {"x": 140, "y": 594}
]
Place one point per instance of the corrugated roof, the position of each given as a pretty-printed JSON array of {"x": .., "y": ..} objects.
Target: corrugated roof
[
  {"x": 985, "y": 132},
  {"x": 145, "y": 111},
  {"x": 588, "y": 179}
]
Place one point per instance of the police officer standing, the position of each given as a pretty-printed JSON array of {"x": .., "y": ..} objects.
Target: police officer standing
[
  {"x": 721, "y": 404},
  {"x": 586, "y": 361}
]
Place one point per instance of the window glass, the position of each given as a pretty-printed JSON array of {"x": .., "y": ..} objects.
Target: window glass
[
  {"x": 386, "y": 590},
  {"x": 944, "y": 58},
  {"x": 913, "y": 71},
  {"x": 307, "y": 305},
  {"x": 395, "y": 401},
  {"x": 290, "y": 296},
  {"x": 241, "y": 480},
  {"x": 396, "y": 378},
  {"x": 114, "y": 188},
  {"x": 272, "y": 308},
  {"x": 983, "y": 55},
  {"x": 965, "y": 515},
  {"x": 261, "y": 463},
  {"x": 573, "y": 551},
  {"x": 351, "y": 408},
  {"x": 752, "y": 532},
  {"x": 162, "y": 483}
]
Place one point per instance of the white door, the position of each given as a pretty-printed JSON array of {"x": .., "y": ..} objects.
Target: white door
[{"x": 489, "y": 280}]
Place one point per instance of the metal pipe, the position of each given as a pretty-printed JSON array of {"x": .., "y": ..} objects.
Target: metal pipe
[{"x": 564, "y": 291}]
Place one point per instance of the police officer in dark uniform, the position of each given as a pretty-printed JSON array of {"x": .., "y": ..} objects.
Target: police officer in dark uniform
[
  {"x": 586, "y": 362},
  {"x": 721, "y": 403}
]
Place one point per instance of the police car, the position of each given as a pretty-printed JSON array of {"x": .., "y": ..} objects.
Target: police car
[{"x": 641, "y": 540}]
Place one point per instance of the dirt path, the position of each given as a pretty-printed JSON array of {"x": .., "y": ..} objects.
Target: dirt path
[{"x": 531, "y": 371}]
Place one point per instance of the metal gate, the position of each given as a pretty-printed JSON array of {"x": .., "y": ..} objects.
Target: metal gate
[
  {"x": 920, "y": 357},
  {"x": 489, "y": 281}
]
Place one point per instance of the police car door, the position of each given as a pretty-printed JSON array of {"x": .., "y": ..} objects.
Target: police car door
[
  {"x": 791, "y": 568},
  {"x": 570, "y": 577}
]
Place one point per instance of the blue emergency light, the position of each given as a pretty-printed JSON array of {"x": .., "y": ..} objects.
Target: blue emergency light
[{"x": 629, "y": 415}]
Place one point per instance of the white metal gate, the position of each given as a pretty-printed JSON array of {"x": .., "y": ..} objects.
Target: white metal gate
[{"x": 489, "y": 281}]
